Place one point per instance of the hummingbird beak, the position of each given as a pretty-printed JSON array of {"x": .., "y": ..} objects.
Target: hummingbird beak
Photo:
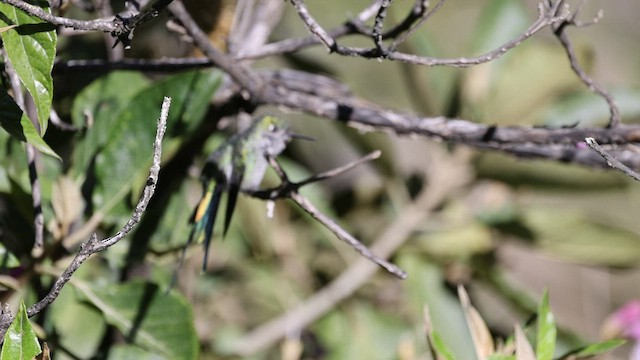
[{"x": 301, "y": 137}]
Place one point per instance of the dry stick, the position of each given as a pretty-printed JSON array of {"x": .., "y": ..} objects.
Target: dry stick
[
  {"x": 289, "y": 189},
  {"x": 32, "y": 154},
  {"x": 358, "y": 272},
  {"x": 343, "y": 235},
  {"x": 611, "y": 160},
  {"x": 313, "y": 26},
  {"x": 378, "y": 22},
  {"x": 36, "y": 196},
  {"x": 93, "y": 245},
  {"x": 592, "y": 85}
]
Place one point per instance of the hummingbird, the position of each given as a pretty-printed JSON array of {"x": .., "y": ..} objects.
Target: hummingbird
[{"x": 238, "y": 164}]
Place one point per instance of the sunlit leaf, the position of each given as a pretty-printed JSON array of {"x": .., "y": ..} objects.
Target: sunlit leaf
[
  {"x": 594, "y": 349},
  {"x": 31, "y": 48},
  {"x": 20, "y": 341},
  {"x": 546, "y": 336}
]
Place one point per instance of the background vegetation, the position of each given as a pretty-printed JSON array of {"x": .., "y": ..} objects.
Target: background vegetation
[{"x": 504, "y": 227}]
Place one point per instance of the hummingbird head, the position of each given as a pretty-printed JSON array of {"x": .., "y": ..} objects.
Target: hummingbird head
[{"x": 274, "y": 135}]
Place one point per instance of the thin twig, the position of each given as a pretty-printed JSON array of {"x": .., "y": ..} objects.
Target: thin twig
[
  {"x": 546, "y": 17},
  {"x": 105, "y": 25},
  {"x": 120, "y": 26},
  {"x": 378, "y": 22},
  {"x": 592, "y": 85},
  {"x": 611, "y": 160},
  {"x": 343, "y": 235},
  {"x": 289, "y": 189},
  {"x": 93, "y": 245},
  {"x": 313, "y": 26},
  {"x": 55, "y": 120},
  {"x": 36, "y": 197},
  {"x": 32, "y": 155}
]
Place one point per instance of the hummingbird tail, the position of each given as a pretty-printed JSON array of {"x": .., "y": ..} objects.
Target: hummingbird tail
[
  {"x": 204, "y": 217},
  {"x": 232, "y": 195}
]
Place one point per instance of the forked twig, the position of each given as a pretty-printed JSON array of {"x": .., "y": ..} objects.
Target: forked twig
[{"x": 289, "y": 189}]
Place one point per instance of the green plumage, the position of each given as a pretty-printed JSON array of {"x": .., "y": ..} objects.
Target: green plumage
[{"x": 238, "y": 164}]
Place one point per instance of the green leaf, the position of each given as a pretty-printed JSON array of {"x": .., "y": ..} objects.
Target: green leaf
[
  {"x": 426, "y": 286},
  {"x": 79, "y": 326},
  {"x": 500, "y": 22},
  {"x": 31, "y": 48},
  {"x": 587, "y": 109},
  {"x": 16, "y": 123},
  {"x": 128, "y": 149},
  {"x": 440, "y": 347},
  {"x": 595, "y": 349},
  {"x": 546, "y": 337},
  {"x": 159, "y": 322},
  {"x": 130, "y": 352},
  {"x": 20, "y": 341},
  {"x": 576, "y": 235},
  {"x": 101, "y": 102},
  {"x": 501, "y": 357}
]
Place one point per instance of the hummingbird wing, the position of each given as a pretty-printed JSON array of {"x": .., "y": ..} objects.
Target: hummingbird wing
[
  {"x": 237, "y": 175},
  {"x": 204, "y": 217}
]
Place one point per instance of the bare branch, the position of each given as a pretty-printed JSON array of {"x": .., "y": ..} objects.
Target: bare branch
[
  {"x": 121, "y": 26},
  {"x": 611, "y": 160},
  {"x": 343, "y": 235},
  {"x": 93, "y": 245}
]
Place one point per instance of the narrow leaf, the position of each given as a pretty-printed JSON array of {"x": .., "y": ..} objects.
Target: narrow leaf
[
  {"x": 524, "y": 351},
  {"x": 31, "y": 48},
  {"x": 20, "y": 341},
  {"x": 480, "y": 333},
  {"x": 546, "y": 337},
  {"x": 594, "y": 349},
  {"x": 16, "y": 123},
  {"x": 436, "y": 343}
]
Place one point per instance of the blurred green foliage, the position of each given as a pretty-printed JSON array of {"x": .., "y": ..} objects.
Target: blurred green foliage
[{"x": 515, "y": 228}]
